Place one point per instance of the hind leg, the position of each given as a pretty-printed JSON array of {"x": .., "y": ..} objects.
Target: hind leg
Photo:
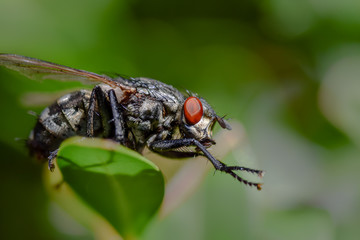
[
  {"x": 118, "y": 119},
  {"x": 51, "y": 160}
]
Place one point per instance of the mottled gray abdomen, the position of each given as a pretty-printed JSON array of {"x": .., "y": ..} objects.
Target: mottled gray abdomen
[{"x": 65, "y": 118}]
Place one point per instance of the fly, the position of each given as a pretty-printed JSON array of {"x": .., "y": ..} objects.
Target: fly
[{"x": 135, "y": 112}]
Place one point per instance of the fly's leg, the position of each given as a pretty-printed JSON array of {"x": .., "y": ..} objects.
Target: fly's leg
[
  {"x": 90, "y": 116},
  {"x": 98, "y": 96},
  {"x": 51, "y": 160},
  {"x": 260, "y": 173},
  {"x": 179, "y": 154},
  {"x": 168, "y": 145},
  {"x": 108, "y": 113},
  {"x": 118, "y": 118}
]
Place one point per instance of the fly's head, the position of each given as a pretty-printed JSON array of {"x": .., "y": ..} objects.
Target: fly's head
[{"x": 198, "y": 120}]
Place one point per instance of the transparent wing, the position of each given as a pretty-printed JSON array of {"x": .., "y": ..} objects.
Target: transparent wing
[
  {"x": 41, "y": 99},
  {"x": 38, "y": 69}
]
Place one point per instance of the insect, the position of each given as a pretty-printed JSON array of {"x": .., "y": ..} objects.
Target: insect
[{"x": 135, "y": 112}]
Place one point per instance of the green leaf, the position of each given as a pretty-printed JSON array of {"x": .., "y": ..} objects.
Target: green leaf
[{"x": 118, "y": 183}]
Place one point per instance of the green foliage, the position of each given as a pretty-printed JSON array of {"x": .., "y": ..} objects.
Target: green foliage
[
  {"x": 288, "y": 70},
  {"x": 118, "y": 183}
]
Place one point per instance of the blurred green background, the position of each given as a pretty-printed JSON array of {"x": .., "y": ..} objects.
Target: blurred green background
[{"x": 288, "y": 70}]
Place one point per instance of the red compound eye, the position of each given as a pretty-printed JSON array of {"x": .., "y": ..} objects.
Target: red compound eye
[{"x": 193, "y": 110}]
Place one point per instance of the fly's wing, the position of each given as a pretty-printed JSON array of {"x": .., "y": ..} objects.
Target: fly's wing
[
  {"x": 37, "y": 69},
  {"x": 41, "y": 99}
]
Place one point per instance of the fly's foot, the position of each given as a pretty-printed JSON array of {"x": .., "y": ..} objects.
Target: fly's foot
[
  {"x": 51, "y": 160},
  {"x": 260, "y": 173},
  {"x": 230, "y": 169},
  {"x": 51, "y": 165}
]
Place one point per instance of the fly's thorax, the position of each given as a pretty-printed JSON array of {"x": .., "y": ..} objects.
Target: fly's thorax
[{"x": 143, "y": 116}]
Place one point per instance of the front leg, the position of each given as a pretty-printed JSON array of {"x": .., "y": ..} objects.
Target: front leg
[
  {"x": 169, "y": 145},
  {"x": 179, "y": 154}
]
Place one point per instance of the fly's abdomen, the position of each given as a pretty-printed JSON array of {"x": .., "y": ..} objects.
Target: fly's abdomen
[{"x": 64, "y": 119}]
